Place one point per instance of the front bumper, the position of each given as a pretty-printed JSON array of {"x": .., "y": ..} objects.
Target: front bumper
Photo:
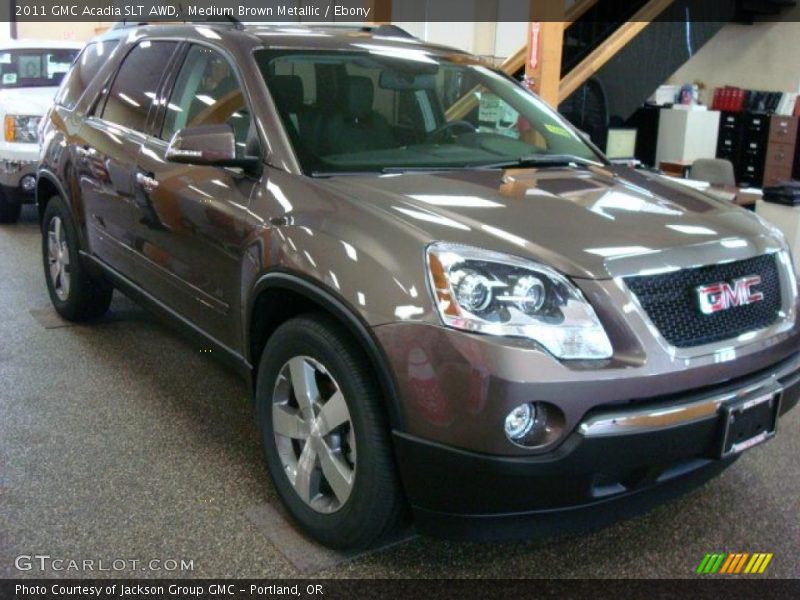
[
  {"x": 618, "y": 460},
  {"x": 18, "y": 161},
  {"x": 456, "y": 388}
]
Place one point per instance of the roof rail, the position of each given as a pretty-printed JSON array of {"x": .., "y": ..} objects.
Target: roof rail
[
  {"x": 383, "y": 29},
  {"x": 392, "y": 30},
  {"x": 123, "y": 24},
  {"x": 221, "y": 20},
  {"x": 226, "y": 20}
]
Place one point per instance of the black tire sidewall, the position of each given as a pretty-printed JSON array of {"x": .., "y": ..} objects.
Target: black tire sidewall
[
  {"x": 338, "y": 528},
  {"x": 69, "y": 308},
  {"x": 54, "y": 209}
]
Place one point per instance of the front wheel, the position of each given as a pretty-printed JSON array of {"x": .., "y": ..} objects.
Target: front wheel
[
  {"x": 73, "y": 292},
  {"x": 325, "y": 435}
]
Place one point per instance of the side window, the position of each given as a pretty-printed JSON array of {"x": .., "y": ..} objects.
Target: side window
[
  {"x": 136, "y": 84},
  {"x": 83, "y": 71},
  {"x": 207, "y": 92}
]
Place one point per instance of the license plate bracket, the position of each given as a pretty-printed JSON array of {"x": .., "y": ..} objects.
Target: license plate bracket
[{"x": 749, "y": 422}]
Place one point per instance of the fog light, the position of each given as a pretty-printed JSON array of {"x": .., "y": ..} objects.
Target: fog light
[
  {"x": 520, "y": 421},
  {"x": 534, "y": 424},
  {"x": 28, "y": 183}
]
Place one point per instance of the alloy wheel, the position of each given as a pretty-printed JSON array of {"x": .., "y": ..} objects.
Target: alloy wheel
[
  {"x": 58, "y": 258},
  {"x": 314, "y": 434}
]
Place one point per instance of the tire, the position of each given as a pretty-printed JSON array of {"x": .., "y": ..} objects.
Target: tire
[
  {"x": 333, "y": 514},
  {"x": 9, "y": 209},
  {"x": 73, "y": 292}
]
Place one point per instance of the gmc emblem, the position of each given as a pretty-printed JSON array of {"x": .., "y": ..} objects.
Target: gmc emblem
[{"x": 722, "y": 296}]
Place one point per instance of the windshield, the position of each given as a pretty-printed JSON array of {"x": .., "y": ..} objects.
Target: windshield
[
  {"x": 392, "y": 110},
  {"x": 34, "y": 67}
]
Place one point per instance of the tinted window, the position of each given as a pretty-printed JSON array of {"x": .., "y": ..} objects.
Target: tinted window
[
  {"x": 207, "y": 92},
  {"x": 405, "y": 108},
  {"x": 31, "y": 67},
  {"x": 83, "y": 71},
  {"x": 136, "y": 84}
]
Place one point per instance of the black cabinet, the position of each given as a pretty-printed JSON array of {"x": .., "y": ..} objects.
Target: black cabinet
[
  {"x": 743, "y": 140},
  {"x": 645, "y": 121}
]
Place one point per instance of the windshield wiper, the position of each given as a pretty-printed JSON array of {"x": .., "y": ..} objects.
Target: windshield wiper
[
  {"x": 337, "y": 173},
  {"x": 542, "y": 160},
  {"x": 386, "y": 171},
  {"x": 533, "y": 160},
  {"x": 428, "y": 169}
]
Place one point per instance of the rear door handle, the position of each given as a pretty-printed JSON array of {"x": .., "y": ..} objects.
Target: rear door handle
[{"x": 147, "y": 182}]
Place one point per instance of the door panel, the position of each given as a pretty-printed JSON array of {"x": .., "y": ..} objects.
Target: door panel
[
  {"x": 106, "y": 165},
  {"x": 191, "y": 230},
  {"x": 107, "y": 154},
  {"x": 192, "y": 222}
]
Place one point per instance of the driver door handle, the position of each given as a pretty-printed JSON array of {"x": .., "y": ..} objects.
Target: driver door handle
[{"x": 147, "y": 182}]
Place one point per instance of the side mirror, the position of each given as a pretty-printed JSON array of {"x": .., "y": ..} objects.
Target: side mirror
[{"x": 211, "y": 145}]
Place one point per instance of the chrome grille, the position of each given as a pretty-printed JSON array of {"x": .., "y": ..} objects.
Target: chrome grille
[{"x": 671, "y": 302}]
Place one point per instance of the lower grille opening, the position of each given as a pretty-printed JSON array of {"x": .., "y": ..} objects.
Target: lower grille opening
[{"x": 604, "y": 485}]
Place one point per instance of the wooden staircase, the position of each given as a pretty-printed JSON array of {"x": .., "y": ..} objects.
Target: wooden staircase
[
  {"x": 606, "y": 57},
  {"x": 604, "y": 52},
  {"x": 621, "y": 29},
  {"x": 621, "y": 33}
]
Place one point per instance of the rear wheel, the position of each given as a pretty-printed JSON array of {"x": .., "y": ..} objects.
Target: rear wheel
[
  {"x": 9, "y": 209},
  {"x": 325, "y": 435},
  {"x": 73, "y": 292}
]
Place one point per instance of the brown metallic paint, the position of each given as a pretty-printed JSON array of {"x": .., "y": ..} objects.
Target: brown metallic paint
[{"x": 201, "y": 248}]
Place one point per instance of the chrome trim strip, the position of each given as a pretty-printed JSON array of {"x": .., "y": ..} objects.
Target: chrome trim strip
[{"x": 662, "y": 416}]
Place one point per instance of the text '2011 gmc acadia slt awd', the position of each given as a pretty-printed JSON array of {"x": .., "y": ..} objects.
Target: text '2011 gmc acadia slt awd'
[{"x": 444, "y": 297}]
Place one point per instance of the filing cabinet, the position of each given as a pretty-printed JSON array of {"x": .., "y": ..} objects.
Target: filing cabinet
[
  {"x": 730, "y": 133},
  {"x": 762, "y": 148},
  {"x": 781, "y": 151}
]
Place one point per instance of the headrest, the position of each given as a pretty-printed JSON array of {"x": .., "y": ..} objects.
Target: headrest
[
  {"x": 359, "y": 94},
  {"x": 287, "y": 91}
]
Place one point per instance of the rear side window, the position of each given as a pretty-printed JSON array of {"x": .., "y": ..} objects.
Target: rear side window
[
  {"x": 83, "y": 71},
  {"x": 136, "y": 84}
]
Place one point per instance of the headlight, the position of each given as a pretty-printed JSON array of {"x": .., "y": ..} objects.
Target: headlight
[
  {"x": 22, "y": 128},
  {"x": 497, "y": 294}
]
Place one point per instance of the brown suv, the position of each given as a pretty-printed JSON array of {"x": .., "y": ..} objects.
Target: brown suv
[{"x": 443, "y": 295}]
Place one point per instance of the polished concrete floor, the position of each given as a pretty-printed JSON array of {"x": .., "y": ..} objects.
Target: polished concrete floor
[{"x": 120, "y": 440}]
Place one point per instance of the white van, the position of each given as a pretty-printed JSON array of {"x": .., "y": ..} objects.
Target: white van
[{"x": 30, "y": 73}]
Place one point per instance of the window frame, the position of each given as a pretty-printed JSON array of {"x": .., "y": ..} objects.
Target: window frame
[
  {"x": 97, "y": 110},
  {"x": 168, "y": 88},
  {"x": 58, "y": 100}
]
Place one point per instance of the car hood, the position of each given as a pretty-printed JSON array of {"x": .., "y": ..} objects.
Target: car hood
[
  {"x": 27, "y": 101},
  {"x": 593, "y": 223}
]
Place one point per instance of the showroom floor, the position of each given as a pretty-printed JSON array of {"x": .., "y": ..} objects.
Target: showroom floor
[{"x": 121, "y": 440}]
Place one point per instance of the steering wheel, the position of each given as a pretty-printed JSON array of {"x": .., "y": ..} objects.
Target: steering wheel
[{"x": 452, "y": 125}]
